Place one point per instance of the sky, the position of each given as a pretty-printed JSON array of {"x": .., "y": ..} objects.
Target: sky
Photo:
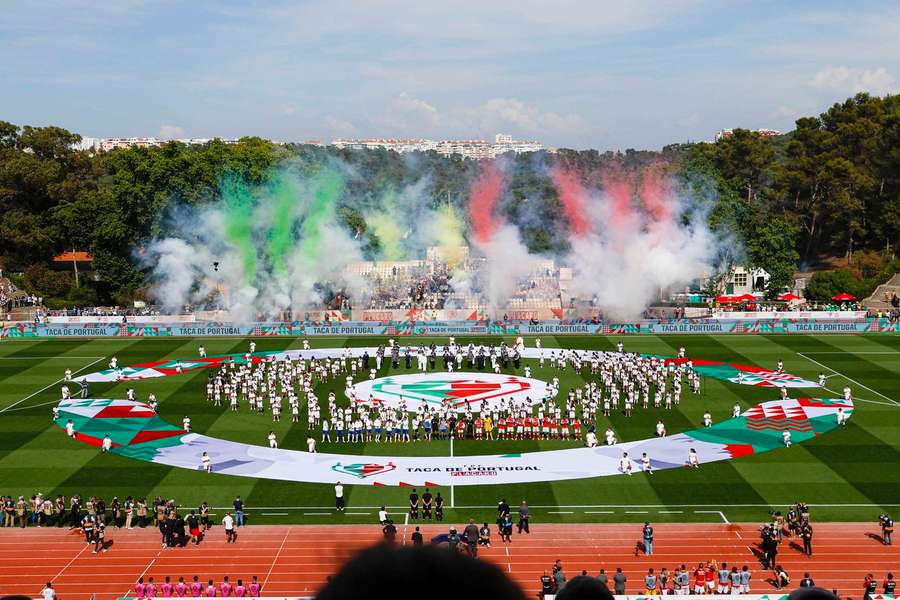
[{"x": 570, "y": 73}]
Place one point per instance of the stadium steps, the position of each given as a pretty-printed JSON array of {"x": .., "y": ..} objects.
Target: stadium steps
[{"x": 880, "y": 298}]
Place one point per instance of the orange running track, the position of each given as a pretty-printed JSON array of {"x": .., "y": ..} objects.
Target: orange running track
[{"x": 295, "y": 560}]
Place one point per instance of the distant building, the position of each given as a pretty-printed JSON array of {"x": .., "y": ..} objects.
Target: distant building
[
  {"x": 475, "y": 149},
  {"x": 92, "y": 144},
  {"x": 727, "y": 133}
]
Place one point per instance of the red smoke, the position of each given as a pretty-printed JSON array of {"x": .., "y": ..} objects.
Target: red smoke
[
  {"x": 573, "y": 197},
  {"x": 618, "y": 185},
  {"x": 655, "y": 193},
  {"x": 484, "y": 193}
]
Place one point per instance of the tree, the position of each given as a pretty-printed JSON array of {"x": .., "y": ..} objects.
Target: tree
[{"x": 773, "y": 247}]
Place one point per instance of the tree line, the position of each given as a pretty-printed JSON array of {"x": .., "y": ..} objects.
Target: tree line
[{"x": 826, "y": 194}]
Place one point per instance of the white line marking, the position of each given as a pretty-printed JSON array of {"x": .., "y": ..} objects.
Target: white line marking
[
  {"x": 358, "y": 513},
  {"x": 672, "y": 512},
  {"x": 850, "y": 352},
  {"x": 559, "y": 512},
  {"x": 280, "y": 514},
  {"x": 405, "y": 526},
  {"x": 714, "y": 512},
  {"x": 636, "y": 512},
  {"x": 785, "y": 502},
  {"x": 69, "y": 564},
  {"x": 144, "y": 572},
  {"x": 58, "y": 381},
  {"x": 277, "y": 554},
  {"x": 865, "y": 387},
  {"x": 599, "y": 512},
  {"x": 43, "y": 358},
  {"x": 508, "y": 564},
  {"x": 317, "y": 513}
]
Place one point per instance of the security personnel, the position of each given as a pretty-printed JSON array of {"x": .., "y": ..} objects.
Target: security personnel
[
  {"x": 887, "y": 528},
  {"x": 806, "y": 532}
]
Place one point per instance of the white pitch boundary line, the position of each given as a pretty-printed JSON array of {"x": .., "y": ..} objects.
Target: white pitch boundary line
[
  {"x": 274, "y": 514},
  {"x": 559, "y": 512},
  {"x": 58, "y": 381},
  {"x": 56, "y": 357},
  {"x": 277, "y": 554},
  {"x": 599, "y": 512},
  {"x": 851, "y": 352},
  {"x": 715, "y": 512},
  {"x": 658, "y": 506},
  {"x": 508, "y": 563},
  {"x": 865, "y": 387}
]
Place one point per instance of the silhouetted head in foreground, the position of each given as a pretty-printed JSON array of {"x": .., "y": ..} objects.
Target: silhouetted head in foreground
[
  {"x": 584, "y": 587},
  {"x": 812, "y": 593},
  {"x": 400, "y": 573}
]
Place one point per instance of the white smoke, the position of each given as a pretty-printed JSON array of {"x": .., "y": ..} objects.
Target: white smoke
[
  {"x": 626, "y": 260},
  {"x": 198, "y": 265}
]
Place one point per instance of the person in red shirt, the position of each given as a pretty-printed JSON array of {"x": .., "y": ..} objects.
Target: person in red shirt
[
  {"x": 510, "y": 427},
  {"x": 700, "y": 580},
  {"x": 545, "y": 428},
  {"x": 478, "y": 426},
  {"x": 889, "y": 584},
  {"x": 554, "y": 429},
  {"x": 565, "y": 427},
  {"x": 711, "y": 569},
  {"x": 576, "y": 426},
  {"x": 520, "y": 428},
  {"x": 501, "y": 428},
  {"x": 461, "y": 429}
]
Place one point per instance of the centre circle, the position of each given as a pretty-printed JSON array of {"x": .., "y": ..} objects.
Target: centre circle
[{"x": 480, "y": 390}]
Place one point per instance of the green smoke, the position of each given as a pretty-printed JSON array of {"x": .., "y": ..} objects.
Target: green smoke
[
  {"x": 283, "y": 195},
  {"x": 328, "y": 186},
  {"x": 238, "y": 203}
]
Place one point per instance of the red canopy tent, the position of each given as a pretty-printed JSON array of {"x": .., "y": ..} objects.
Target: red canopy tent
[
  {"x": 747, "y": 298},
  {"x": 844, "y": 297},
  {"x": 727, "y": 299},
  {"x": 789, "y": 297}
]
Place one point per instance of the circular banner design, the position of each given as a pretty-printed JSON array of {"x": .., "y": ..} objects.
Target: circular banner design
[
  {"x": 135, "y": 431},
  {"x": 435, "y": 389}
]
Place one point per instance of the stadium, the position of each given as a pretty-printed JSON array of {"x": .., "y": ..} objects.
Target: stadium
[{"x": 397, "y": 366}]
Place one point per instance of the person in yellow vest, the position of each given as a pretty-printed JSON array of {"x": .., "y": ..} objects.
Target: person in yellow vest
[{"x": 488, "y": 428}]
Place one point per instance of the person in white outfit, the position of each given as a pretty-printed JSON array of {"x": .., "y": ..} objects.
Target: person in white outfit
[
  {"x": 273, "y": 441},
  {"x": 625, "y": 464},
  {"x": 786, "y": 436}
]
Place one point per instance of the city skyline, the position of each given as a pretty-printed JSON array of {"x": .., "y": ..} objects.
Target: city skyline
[{"x": 578, "y": 75}]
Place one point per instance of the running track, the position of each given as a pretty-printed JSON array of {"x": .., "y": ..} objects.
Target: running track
[{"x": 294, "y": 560}]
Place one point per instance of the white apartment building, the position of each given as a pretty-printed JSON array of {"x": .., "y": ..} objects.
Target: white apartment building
[{"x": 474, "y": 149}]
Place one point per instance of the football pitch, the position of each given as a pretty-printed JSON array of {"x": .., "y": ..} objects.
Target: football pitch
[{"x": 850, "y": 474}]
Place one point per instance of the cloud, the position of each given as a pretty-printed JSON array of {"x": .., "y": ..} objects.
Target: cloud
[
  {"x": 171, "y": 132},
  {"x": 849, "y": 80},
  {"x": 338, "y": 126},
  {"x": 502, "y": 113}
]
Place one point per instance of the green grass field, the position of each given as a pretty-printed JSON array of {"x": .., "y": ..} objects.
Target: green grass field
[{"x": 848, "y": 475}]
